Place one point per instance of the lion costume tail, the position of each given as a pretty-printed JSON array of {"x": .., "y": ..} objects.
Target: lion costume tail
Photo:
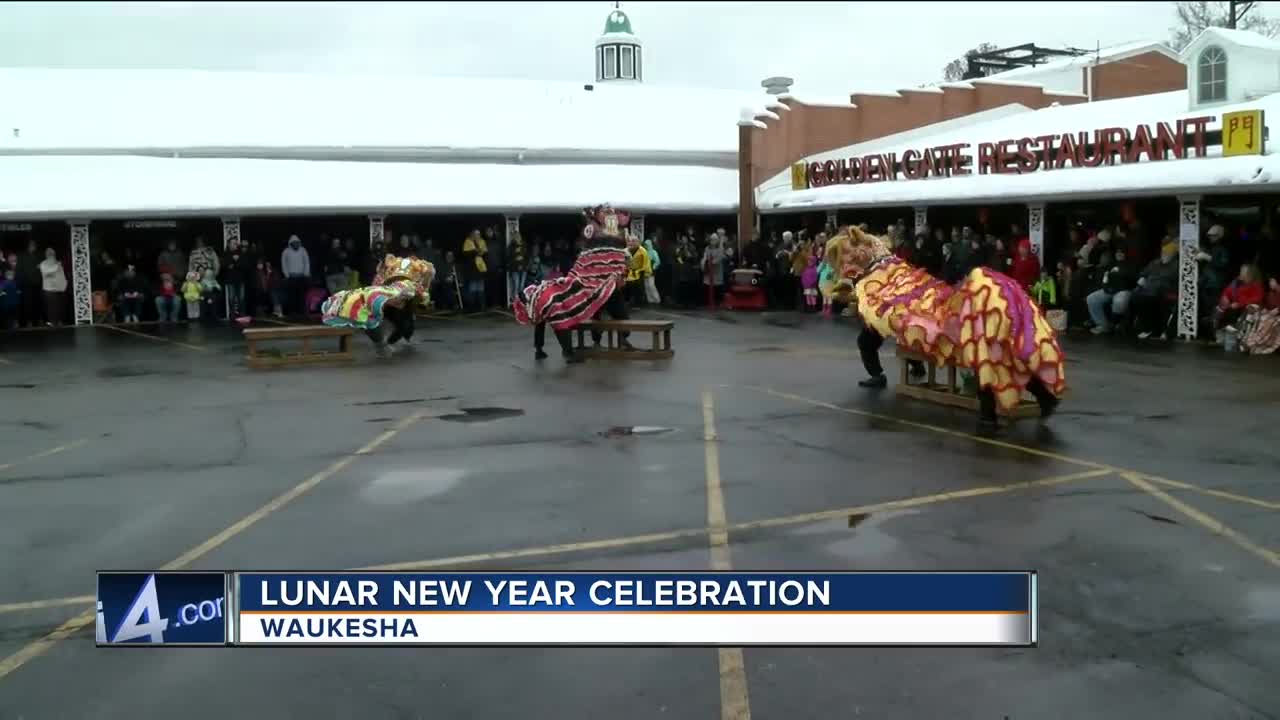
[{"x": 1003, "y": 337}]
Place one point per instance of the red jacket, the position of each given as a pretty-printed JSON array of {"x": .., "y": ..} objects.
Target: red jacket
[
  {"x": 1242, "y": 294},
  {"x": 1026, "y": 270}
]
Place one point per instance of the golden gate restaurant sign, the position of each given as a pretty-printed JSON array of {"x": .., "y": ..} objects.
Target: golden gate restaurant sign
[{"x": 1242, "y": 133}]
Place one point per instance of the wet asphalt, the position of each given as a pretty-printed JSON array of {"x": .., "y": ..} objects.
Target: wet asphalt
[{"x": 118, "y": 450}]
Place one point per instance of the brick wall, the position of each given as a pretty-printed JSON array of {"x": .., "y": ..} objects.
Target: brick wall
[{"x": 1138, "y": 75}]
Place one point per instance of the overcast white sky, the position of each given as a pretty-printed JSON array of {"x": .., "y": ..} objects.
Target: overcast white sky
[{"x": 830, "y": 48}]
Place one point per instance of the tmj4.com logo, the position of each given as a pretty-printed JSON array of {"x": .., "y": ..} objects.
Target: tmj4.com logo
[{"x": 144, "y": 622}]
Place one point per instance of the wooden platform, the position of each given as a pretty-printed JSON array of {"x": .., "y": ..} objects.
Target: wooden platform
[
  {"x": 260, "y": 358},
  {"x": 948, "y": 393},
  {"x": 659, "y": 329}
]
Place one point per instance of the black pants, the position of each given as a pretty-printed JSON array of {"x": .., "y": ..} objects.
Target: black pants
[
  {"x": 987, "y": 398},
  {"x": 869, "y": 342},
  {"x": 1150, "y": 313},
  {"x": 562, "y": 336},
  {"x": 617, "y": 309},
  {"x": 402, "y": 325},
  {"x": 296, "y": 292}
]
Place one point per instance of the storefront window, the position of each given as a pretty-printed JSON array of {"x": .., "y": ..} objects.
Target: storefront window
[{"x": 1213, "y": 75}]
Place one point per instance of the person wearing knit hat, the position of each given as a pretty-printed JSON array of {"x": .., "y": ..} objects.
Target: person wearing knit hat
[{"x": 1150, "y": 300}]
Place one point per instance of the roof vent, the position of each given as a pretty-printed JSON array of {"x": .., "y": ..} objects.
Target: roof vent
[{"x": 776, "y": 85}]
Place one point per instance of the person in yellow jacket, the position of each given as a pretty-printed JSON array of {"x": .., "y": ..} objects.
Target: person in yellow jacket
[
  {"x": 638, "y": 268},
  {"x": 474, "y": 269}
]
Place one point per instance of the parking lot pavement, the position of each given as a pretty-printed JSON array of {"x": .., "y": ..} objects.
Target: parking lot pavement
[{"x": 1148, "y": 506}]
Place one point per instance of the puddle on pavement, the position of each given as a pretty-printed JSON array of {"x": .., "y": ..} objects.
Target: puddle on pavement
[
  {"x": 379, "y": 420},
  {"x": 401, "y": 402},
  {"x": 18, "y": 386},
  {"x": 401, "y": 486},
  {"x": 482, "y": 414},
  {"x": 766, "y": 349},
  {"x": 629, "y": 430}
]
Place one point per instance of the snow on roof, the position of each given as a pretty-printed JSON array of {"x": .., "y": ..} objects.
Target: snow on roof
[
  {"x": 102, "y": 187},
  {"x": 1103, "y": 55},
  {"x": 188, "y": 108},
  {"x": 1146, "y": 178},
  {"x": 1243, "y": 38}
]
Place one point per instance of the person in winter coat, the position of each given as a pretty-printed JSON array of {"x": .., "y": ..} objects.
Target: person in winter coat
[
  {"x": 809, "y": 283},
  {"x": 10, "y": 296},
  {"x": 191, "y": 295},
  {"x": 27, "y": 275},
  {"x": 1150, "y": 300},
  {"x": 335, "y": 267},
  {"x": 172, "y": 261},
  {"x": 1244, "y": 291},
  {"x": 237, "y": 271},
  {"x": 53, "y": 282},
  {"x": 203, "y": 258},
  {"x": 474, "y": 267},
  {"x": 638, "y": 270},
  {"x": 517, "y": 267},
  {"x": 650, "y": 282},
  {"x": 713, "y": 261},
  {"x": 295, "y": 265},
  {"x": 1215, "y": 268},
  {"x": 168, "y": 301},
  {"x": 1118, "y": 282},
  {"x": 1025, "y": 267},
  {"x": 129, "y": 293}
]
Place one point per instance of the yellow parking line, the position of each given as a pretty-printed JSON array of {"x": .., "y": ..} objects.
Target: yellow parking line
[
  {"x": 1234, "y": 497},
  {"x": 153, "y": 337},
  {"x": 1207, "y": 521},
  {"x": 45, "y": 453},
  {"x": 667, "y": 536},
  {"x": 70, "y": 627},
  {"x": 735, "y": 702}
]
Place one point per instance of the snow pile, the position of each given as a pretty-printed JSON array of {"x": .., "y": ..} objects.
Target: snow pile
[
  {"x": 122, "y": 186},
  {"x": 129, "y": 109}
]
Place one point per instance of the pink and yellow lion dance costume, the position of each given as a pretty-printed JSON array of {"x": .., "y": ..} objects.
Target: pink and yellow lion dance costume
[{"x": 986, "y": 323}]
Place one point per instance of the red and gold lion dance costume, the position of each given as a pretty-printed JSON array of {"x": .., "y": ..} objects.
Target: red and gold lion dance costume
[{"x": 986, "y": 323}]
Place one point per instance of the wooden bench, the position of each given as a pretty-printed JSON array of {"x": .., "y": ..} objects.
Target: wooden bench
[
  {"x": 951, "y": 393},
  {"x": 259, "y": 358},
  {"x": 660, "y": 329}
]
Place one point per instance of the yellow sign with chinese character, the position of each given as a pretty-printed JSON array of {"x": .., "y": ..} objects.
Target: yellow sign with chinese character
[
  {"x": 799, "y": 176},
  {"x": 1243, "y": 133}
]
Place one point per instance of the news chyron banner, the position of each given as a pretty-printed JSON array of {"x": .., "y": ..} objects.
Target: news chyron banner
[
  {"x": 162, "y": 608},
  {"x": 364, "y": 609}
]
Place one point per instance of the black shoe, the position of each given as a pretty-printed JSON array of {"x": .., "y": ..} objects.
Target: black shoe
[
  {"x": 875, "y": 381},
  {"x": 539, "y": 355}
]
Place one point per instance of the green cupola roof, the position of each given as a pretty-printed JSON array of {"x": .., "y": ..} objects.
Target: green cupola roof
[{"x": 617, "y": 22}]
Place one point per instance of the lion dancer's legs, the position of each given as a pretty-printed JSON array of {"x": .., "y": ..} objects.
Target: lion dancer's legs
[
  {"x": 869, "y": 342},
  {"x": 562, "y": 336},
  {"x": 1047, "y": 401}
]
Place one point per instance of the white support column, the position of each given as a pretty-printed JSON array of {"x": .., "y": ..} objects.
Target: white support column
[
  {"x": 230, "y": 232},
  {"x": 1188, "y": 268},
  {"x": 637, "y": 226},
  {"x": 922, "y": 218},
  {"x": 1035, "y": 230},
  {"x": 377, "y": 230},
  {"x": 81, "y": 284},
  {"x": 513, "y": 227}
]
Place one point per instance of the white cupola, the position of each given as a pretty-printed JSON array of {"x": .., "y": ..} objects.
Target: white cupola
[{"x": 618, "y": 55}]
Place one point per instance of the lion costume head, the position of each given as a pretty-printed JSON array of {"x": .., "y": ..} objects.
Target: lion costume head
[
  {"x": 415, "y": 270},
  {"x": 858, "y": 251}
]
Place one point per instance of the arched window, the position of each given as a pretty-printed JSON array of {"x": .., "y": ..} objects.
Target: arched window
[{"x": 1212, "y": 75}]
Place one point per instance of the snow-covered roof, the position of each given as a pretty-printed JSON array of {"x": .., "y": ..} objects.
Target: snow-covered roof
[
  {"x": 1192, "y": 175},
  {"x": 81, "y": 109},
  {"x": 1110, "y": 53},
  {"x": 1242, "y": 38},
  {"x": 73, "y": 187}
]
